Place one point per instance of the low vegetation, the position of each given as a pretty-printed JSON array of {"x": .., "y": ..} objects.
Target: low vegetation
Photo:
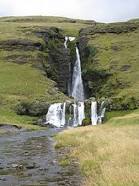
[
  {"x": 107, "y": 154},
  {"x": 113, "y": 60}
]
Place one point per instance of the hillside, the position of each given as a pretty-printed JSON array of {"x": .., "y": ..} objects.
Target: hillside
[
  {"x": 22, "y": 53},
  {"x": 35, "y": 68},
  {"x": 111, "y": 68},
  {"x": 34, "y": 63}
]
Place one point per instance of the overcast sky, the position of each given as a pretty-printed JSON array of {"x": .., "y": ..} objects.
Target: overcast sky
[{"x": 99, "y": 10}]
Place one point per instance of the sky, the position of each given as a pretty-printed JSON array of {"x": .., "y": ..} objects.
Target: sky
[{"x": 98, "y": 10}]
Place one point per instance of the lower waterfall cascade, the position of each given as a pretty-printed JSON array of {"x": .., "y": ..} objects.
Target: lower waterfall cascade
[{"x": 56, "y": 115}]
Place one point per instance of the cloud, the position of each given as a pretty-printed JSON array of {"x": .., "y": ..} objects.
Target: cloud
[{"x": 99, "y": 10}]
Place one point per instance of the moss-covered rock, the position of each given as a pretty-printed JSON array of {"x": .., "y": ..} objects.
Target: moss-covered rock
[
  {"x": 32, "y": 108},
  {"x": 86, "y": 122}
]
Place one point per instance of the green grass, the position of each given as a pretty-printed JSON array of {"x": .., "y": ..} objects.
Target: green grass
[
  {"x": 113, "y": 60},
  {"x": 22, "y": 82},
  {"x": 132, "y": 118},
  {"x": 8, "y": 116},
  {"x": 22, "y": 27}
]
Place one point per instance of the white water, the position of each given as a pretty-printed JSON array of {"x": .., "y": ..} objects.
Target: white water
[
  {"x": 66, "y": 40},
  {"x": 77, "y": 92},
  {"x": 97, "y": 118},
  {"x": 63, "y": 120},
  {"x": 56, "y": 115},
  {"x": 81, "y": 113},
  {"x": 77, "y": 83},
  {"x": 101, "y": 112},
  {"x": 78, "y": 113},
  {"x": 94, "y": 116},
  {"x": 71, "y": 38}
]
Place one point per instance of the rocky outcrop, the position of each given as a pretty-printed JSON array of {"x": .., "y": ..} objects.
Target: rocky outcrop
[
  {"x": 57, "y": 66},
  {"x": 20, "y": 44},
  {"x": 35, "y": 108},
  {"x": 115, "y": 28}
]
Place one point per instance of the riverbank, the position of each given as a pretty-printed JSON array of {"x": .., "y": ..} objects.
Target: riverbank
[{"x": 107, "y": 154}]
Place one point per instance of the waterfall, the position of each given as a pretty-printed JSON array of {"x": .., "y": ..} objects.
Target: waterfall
[
  {"x": 78, "y": 113},
  {"x": 56, "y": 112},
  {"x": 77, "y": 92},
  {"x": 81, "y": 114},
  {"x": 77, "y": 83},
  {"x": 63, "y": 119},
  {"x": 102, "y": 111},
  {"x": 66, "y": 40},
  {"x": 75, "y": 115},
  {"x": 94, "y": 116},
  {"x": 97, "y": 118},
  {"x": 56, "y": 115}
]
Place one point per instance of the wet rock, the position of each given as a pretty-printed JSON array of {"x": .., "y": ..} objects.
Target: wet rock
[
  {"x": 42, "y": 164},
  {"x": 18, "y": 167},
  {"x": 84, "y": 49},
  {"x": 14, "y": 165},
  {"x": 3, "y": 179},
  {"x": 31, "y": 166},
  {"x": 57, "y": 66}
]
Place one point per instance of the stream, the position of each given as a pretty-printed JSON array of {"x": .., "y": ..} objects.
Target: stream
[{"x": 29, "y": 158}]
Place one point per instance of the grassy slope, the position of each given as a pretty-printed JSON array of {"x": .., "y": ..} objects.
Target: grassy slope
[
  {"x": 108, "y": 154},
  {"x": 19, "y": 82},
  {"x": 114, "y": 53},
  {"x": 127, "y": 54}
]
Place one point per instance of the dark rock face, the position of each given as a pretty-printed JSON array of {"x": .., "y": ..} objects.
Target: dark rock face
[
  {"x": 115, "y": 28},
  {"x": 20, "y": 44},
  {"x": 59, "y": 61},
  {"x": 84, "y": 50},
  {"x": 58, "y": 66}
]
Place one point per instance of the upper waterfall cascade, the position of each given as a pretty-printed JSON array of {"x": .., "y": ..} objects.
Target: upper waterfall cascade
[
  {"x": 77, "y": 82},
  {"x": 56, "y": 115}
]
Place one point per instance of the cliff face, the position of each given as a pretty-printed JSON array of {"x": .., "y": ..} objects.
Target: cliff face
[{"x": 57, "y": 66}]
